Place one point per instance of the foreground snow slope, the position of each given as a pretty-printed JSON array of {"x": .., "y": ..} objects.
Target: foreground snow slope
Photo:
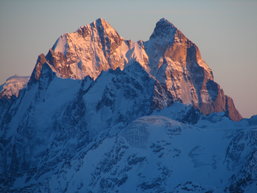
[{"x": 157, "y": 154}]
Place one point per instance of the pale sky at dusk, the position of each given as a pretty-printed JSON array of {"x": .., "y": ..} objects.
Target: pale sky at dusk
[{"x": 224, "y": 30}]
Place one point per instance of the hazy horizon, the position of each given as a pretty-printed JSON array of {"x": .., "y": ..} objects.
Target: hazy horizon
[{"x": 224, "y": 31}]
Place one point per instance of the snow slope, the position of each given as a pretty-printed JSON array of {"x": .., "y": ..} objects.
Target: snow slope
[{"x": 157, "y": 154}]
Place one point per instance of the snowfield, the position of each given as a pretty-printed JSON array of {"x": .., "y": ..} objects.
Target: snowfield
[{"x": 157, "y": 154}]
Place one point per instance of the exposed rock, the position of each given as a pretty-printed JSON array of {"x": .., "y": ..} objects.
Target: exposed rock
[{"x": 168, "y": 56}]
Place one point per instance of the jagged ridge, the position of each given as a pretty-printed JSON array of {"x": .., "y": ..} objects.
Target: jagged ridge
[{"x": 168, "y": 56}]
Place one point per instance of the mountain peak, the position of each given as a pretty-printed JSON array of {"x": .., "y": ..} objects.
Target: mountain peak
[
  {"x": 164, "y": 21},
  {"x": 103, "y": 27},
  {"x": 101, "y": 21},
  {"x": 163, "y": 28},
  {"x": 97, "y": 47}
]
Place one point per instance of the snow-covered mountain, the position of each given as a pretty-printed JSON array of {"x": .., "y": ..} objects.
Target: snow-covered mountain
[
  {"x": 12, "y": 86},
  {"x": 172, "y": 60},
  {"x": 104, "y": 114}
]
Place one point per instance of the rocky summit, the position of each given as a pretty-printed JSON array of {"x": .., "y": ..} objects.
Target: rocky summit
[
  {"x": 103, "y": 114},
  {"x": 168, "y": 57}
]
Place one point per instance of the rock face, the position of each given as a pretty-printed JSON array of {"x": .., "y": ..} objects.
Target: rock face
[
  {"x": 176, "y": 62},
  {"x": 100, "y": 111},
  {"x": 168, "y": 57},
  {"x": 90, "y": 50}
]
